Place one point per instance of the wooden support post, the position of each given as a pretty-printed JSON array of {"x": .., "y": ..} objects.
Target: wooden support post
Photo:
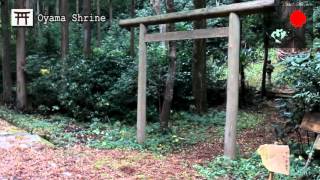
[
  {"x": 142, "y": 86},
  {"x": 232, "y": 86},
  {"x": 271, "y": 176}
]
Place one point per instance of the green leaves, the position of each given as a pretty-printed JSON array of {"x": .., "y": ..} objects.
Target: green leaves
[
  {"x": 253, "y": 169},
  {"x": 278, "y": 35},
  {"x": 239, "y": 169},
  {"x": 302, "y": 73}
]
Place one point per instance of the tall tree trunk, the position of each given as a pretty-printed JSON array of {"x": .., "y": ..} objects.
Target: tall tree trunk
[
  {"x": 168, "y": 96},
  {"x": 110, "y": 12},
  {"x": 6, "y": 65},
  {"x": 57, "y": 7},
  {"x": 37, "y": 28},
  {"x": 242, "y": 83},
  {"x": 77, "y": 6},
  {"x": 156, "y": 4},
  {"x": 38, "y": 7},
  {"x": 87, "y": 28},
  {"x": 199, "y": 75},
  {"x": 21, "y": 61},
  {"x": 132, "y": 12},
  {"x": 265, "y": 62},
  {"x": 98, "y": 24},
  {"x": 64, "y": 11}
]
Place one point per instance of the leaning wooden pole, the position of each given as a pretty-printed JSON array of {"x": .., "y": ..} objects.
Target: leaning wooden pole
[
  {"x": 232, "y": 86},
  {"x": 142, "y": 86}
]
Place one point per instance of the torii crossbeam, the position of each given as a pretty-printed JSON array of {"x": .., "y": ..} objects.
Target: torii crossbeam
[{"x": 233, "y": 32}]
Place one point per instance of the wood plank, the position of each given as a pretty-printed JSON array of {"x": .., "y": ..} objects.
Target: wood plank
[
  {"x": 240, "y": 8},
  {"x": 232, "y": 86},
  {"x": 311, "y": 122},
  {"x": 142, "y": 86},
  {"x": 183, "y": 35}
]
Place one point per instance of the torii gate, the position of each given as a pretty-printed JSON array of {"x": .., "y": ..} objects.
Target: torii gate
[{"x": 233, "y": 32}]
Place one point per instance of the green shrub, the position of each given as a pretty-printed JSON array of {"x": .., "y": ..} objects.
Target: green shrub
[
  {"x": 185, "y": 129},
  {"x": 98, "y": 87},
  {"x": 252, "y": 169}
]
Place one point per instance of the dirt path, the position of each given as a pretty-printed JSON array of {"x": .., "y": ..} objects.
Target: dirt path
[{"x": 42, "y": 162}]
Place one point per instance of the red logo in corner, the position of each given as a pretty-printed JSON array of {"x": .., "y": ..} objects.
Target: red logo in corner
[{"x": 298, "y": 19}]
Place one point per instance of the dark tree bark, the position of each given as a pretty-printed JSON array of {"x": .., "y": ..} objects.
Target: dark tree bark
[
  {"x": 199, "y": 75},
  {"x": 110, "y": 11},
  {"x": 6, "y": 65},
  {"x": 266, "y": 23},
  {"x": 98, "y": 24},
  {"x": 77, "y": 6},
  {"x": 156, "y": 4},
  {"x": 64, "y": 11},
  {"x": 87, "y": 28},
  {"x": 242, "y": 83},
  {"x": 132, "y": 12},
  {"x": 38, "y": 8},
  {"x": 265, "y": 62},
  {"x": 168, "y": 96},
  {"x": 58, "y": 6},
  {"x": 21, "y": 61}
]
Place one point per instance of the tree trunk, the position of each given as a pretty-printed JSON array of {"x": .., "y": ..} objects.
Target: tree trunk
[
  {"x": 199, "y": 77},
  {"x": 156, "y": 4},
  {"x": 265, "y": 62},
  {"x": 77, "y": 7},
  {"x": 110, "y": 12},
  {"x": 242, "y": 83},
  {"x": 64, "y": 8},
  {"x": 132, "y": 11},
  {"x": 87, "y": 28},
  {"x": 168, "y": 96},
  {"x": 6, "y": 65},
  {"x": 21, "y": 61},
  {"x": 38, "y": 7},
  {"x": 57, "y": 7},
  {"x": 98, "y": 24}
]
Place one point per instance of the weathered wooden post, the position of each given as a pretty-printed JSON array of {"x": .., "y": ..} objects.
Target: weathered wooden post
[
  {"x": 142, "y": 86},
  {"x": 232, "y": 86}
]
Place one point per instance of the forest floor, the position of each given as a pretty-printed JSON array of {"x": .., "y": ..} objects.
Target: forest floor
[{"x": 41, "y": 161}]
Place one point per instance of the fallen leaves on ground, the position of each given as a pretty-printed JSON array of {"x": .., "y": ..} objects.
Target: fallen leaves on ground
[
  {"x": 79, "y": 162},
  {"x": 86, "y": 163}
]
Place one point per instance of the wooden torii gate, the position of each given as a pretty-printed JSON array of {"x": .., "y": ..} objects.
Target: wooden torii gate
[{"x": 233, "y": 32}]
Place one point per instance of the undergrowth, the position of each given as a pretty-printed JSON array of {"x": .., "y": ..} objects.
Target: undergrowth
[
  {"x": 185, "y": 129},
  {"x": 252, "y": 169}
]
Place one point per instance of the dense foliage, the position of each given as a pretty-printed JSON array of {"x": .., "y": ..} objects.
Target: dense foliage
[
  {"x": 84, "y": 88},
  {"x": 252, "y": 168}
]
